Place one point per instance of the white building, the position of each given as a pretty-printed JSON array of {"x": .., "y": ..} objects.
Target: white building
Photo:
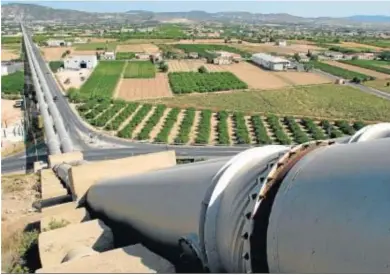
[
  {"x": 282, "y": 43},
  {"x": 55, "y": 43},
  {"x": 270, "y": 62},
  {"x": 108, "y": 56},
  {"x": 80, "y": 62},
  {"x": 9, "y": 67}
]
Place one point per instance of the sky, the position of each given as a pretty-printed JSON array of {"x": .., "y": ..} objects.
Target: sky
[{"x": 301, "y": 8}]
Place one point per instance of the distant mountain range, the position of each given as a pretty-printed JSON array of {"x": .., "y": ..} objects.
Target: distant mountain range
[{"x": 32, "y": 12}]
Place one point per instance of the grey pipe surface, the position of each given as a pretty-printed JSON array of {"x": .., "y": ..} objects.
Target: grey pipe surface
[
  {"x": 331, "y": 212},
  {"x": 51, "y": 137},
  {"x": 65, "y": 141}
]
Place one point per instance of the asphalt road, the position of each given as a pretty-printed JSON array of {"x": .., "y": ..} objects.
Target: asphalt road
[{"x": 21, "y": 161}]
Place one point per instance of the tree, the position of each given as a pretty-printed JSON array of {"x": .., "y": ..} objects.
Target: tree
[
  {"x": 314, "y": 57},
  {"x": 356, "y": 80},
  {"x": 297, "y": 57},
  {"x": 384, "y": 55},
  {"x": 309, "y": 54},
  {"x": 308, "y": 67},
  {"x": 355, "y": 57},
  {"x": 164, "y": 67},
  {"x": 202, "y": 69},
  {"x": 388, "y": 84}
]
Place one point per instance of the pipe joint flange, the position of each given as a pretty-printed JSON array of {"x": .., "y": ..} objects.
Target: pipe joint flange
[{"x": 191, "y": 252}]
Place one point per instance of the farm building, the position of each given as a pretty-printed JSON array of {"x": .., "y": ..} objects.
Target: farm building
[
  {"x": 281, "y": 43},
  {"x": 366, "y": 56},
  {"x": 142, "y": 56},
  {"x": 55, "y": 43},
  {"x": 78, "y": 40},
  {"x": 80, "y": 62},
  {"x": 334, "y": 55},
  {"x": 10, "y": 68},
  {"x": 270, "y": 62},
  {"x": 224, "y": 58},
  {"x": 193, "y": 55},
  {"x": 108, "y": 56}
]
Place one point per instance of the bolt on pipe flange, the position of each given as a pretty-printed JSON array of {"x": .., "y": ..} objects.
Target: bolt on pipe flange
[{"x": 258, "y": 221}]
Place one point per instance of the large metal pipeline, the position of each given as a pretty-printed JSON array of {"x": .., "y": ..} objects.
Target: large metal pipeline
[
  {"x": 313, "y": 208},
  {"x": 51, "y": 137},
  {"x": 65, "y": 141}
]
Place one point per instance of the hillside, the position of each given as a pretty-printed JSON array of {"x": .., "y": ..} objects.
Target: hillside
[{"x": 32, "y": 12}]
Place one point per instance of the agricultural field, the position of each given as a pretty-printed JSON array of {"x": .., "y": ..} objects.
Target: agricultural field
[
  {"x": 329, "y": 101},
  {"x": 55, "y": 65},
  {"x": 202, "y": 49},
  {"x": 7, "y": 55},
  {"x": 358, "y": 46},
  {"x": 352, "y": 68},
  {"x": 95, "y": 46},
  {"x": 12, "y": 84},
  {"x": 163, "y": 124},
  {"x": 379, "y": 84},
  {"x": 137, "y": 48},
  {"x": 331, "y": 68},
  {"x": 192, "y": 82},
  {"x": 124, "y": 55},
  {"x": 382, "y": 67},
  {"x": 271, "y": 48},
  {"x": 378, "y": 43},
  {"x": 302, "y": 78},
  {"x": 54, "y": 53},
  {"x": 136, "y": 89},
  {"x": 139, "y": 69},
  {"x": 103, "y": 80},
  {"x": 192, "y": 66}
]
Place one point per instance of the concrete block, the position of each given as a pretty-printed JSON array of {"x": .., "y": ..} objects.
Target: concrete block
[
  {"x": 54, "y": 245},
  {"x": 84, "y": 176},
  {"x": 65, "y": 157},
  {"x": 73, "y": 216},
  {"x": 58, "y": 209},
  {"x": 129, "y": 259}
]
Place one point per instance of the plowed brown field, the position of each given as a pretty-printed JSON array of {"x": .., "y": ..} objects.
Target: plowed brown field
[
  {"x": 55, "y": 53},
  {"x": 134, "y": 89},
  {"x": 148, "y": 48},
  {"x": 191, "y": 66}
]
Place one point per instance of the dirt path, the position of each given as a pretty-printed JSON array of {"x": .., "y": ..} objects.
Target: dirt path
[
  {"x": 156, "y": 129},
  {"x": 284, "y": 79},
  {"x": 194, "y": 128},
  {"x": 128, "y": 119},
  {"x": 139, "y": 127},
  {"x": 231, "y": 129},
  {"x": 251, "y": 131},
  {"x": 214, "y": 131},
  {"x": 358, "y": 69},
  {"x": 119, "y": 84},
  {"x": 176, "y": 127}
]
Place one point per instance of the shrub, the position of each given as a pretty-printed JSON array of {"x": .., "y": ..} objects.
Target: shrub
[
  {"x": 185, "y": 126},
  {"x": 260, "y": 130},
  {"x": 222, "y": 128},
  {"x": 127, "y": 131},
  {"x": 280, "y": 135},
  {"x": 170, "y": 120},
  {"x": 298, "y": 134},
  {"x": 241, "y": 131},
  {"x": 152, "y": 121},
  {"x": 204, "y": 127}
]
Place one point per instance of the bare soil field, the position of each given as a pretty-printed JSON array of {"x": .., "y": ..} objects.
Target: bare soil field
[
  {"x": 148, "y": 48},
  {"x": 303, "y": 78},
  {"x": 255, "y": 77},
  {"x": 358, "y": 69},
  {"x": 191, "y": 66},
  {"x": 74, "y": 77},
  {"x": 54, "y": 53},
  {"x": 7, "y": 55},
  {"x": 88, "y": 52},
  {"x": 9, "y": 114},
  {"x": 135, "y": 89},
  {"x": 357, "y": 45},
  {"x": 199, "y": 41}
]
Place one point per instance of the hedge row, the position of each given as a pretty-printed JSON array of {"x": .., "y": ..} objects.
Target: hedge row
[
  {"x": 222, "y": 128},
  {"x": 168, "y": 125},
  {"x": 204, "y": 127},
  {"x": 345, "y": 127},
  {"x": 241, "y": 131},
  {"x": 358, "y": 125},
  {"x": 280, "y": 135},
  {"x": 313, "y": 129},
  {"x": 121, "y": 117},
  {"x": 103, "y": 119},
  {"x": 185, "y": 126},
  {"x": 299, "y": 135},
  {"x": 331, "y": 131},
  {"x": 152, "y": 121},
  {"x": 127, "y": 131},
  {"x": 260, "y": 130}
]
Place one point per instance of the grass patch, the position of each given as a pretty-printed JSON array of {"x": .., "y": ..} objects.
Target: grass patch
[
  {"x": 337, "y": 71},
  {"x": 189, "y": 82},
  {"x": 96, "y": 46},
  {"x": 326, "y": 100},
  {"x": 380, "y": 84},
  {"x": 375, "y": 65},
  {"x": 55, "y": 224},
  {"x": 102, "y": 82},
  {"x": 140, "y": 69},
  {"x": 124, "y": 55},
  {"x": 55, "y": 65},
  {"x": 12, "y": 84}
]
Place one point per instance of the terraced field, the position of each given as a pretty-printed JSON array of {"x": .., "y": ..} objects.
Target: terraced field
[{"x": 163, "y": 124}]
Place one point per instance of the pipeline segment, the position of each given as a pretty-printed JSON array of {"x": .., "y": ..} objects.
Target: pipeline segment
[
  {"x": 65, "y": 141},
  {"x": 320, "y": 207},
  {"x": 51, "y": 137}
]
